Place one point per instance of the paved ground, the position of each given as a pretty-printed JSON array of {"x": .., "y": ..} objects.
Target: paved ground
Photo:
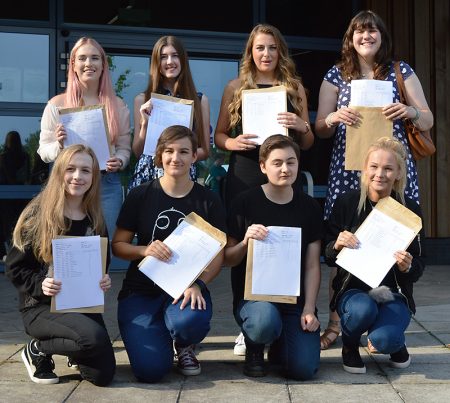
[{"x": 427, "y": 379}]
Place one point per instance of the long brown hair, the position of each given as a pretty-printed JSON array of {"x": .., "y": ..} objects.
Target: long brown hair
[
  {"x": 43, "y": 218},
  {"x": 349, "y": 62},
  {"x": 184, "y": 84},
  {"x": 285, "y": 72}
]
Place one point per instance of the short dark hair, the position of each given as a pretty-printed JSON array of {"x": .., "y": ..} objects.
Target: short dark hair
[
  {"x": 171, "y": 134},
  {"x": 275, "y": 142}
]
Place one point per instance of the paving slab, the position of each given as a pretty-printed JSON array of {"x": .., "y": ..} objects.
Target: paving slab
[
  {"x": 350, "y": 393},
  {"x": 435, "y": 393},
  {"x": 244, "y": 390},
  {"x": 20, "y": 392},
  {"x": 125, "y": 392}
]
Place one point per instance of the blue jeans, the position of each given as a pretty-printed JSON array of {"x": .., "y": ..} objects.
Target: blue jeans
[
  {"x": 149, "y": 325},
  {"x": 385, "y": 323},
  {"x": 111, "y": 198},
  {"x": 297, "y": 351}
]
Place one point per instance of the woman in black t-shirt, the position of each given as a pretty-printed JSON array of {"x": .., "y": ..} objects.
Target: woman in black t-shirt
[
  {"x": 291, "y": 330},
  {"x": 150, "y": 320}
]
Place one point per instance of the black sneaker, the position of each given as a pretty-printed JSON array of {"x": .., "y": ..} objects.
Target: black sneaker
[
  {"x": 352, "y": 360},
  {"x": 40, "y": 366},
  {"x": 254, "y": 361},
  {"x": 72, "y": 364},
  {"x": 400, "y": 359}
]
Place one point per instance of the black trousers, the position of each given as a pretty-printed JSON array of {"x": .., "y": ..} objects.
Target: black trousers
[{"x": 80, "y": 336}]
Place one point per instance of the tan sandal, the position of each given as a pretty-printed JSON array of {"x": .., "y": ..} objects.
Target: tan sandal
[
  {"x": 371, "y": 348},
  {"x": 325, "y": 340}
]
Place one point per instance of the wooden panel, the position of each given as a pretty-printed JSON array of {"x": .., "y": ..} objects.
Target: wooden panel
[{"x": 441, "y": 48}]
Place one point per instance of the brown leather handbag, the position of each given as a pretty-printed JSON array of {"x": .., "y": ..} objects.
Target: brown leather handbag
[{"x": 420, "y": 143}]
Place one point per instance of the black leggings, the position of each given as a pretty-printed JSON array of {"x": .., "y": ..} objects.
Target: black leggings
[{"x": 80, "y": 336}]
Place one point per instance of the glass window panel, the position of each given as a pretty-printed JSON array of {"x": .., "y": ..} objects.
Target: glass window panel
[
  {"x": 319, "y": 18},
  {"x": 29, "y": 128},
  {"x": 221, "y": 16},
  {"x": 20, "y": 80},
  {"x": 36, "y": 10}
]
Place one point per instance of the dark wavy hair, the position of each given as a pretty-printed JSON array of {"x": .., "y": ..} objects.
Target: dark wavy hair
[{"x": 349, "y": 63}]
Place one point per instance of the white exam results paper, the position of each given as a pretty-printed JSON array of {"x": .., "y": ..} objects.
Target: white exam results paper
[
  {"x": 277, "y": 262},
  {"x": 166, "y": 113},
  {"x": 260, "y": 109},
  {"x": 77, "y": 263},
  {"x": 87, "y": 127},
  {"x": 192, "y": 250},
  {"x": 380, "y": 236},
  {"x": 374, "y": 93}
]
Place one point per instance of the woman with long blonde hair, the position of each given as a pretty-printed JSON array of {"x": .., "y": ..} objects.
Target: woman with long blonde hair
[
  {"x": 89, "y": 83},
  {"x": 265, "y": 63},
  {"x": 68, "y": 205},
  {"x": 385, "y": 311}
]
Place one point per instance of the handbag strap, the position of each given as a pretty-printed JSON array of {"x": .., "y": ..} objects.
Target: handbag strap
[{"x": 400, "y": 83}]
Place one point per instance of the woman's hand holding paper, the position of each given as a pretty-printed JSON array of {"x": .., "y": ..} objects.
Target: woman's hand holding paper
[
  {"x": 51, "y": 287},
  {"x": 105, "y": 282},
  {"x": 159, "y": 250},
  {"x": 346, "y": 239},
  {"x": 403, "y": 260},
  {"x": 255, "y": 231}
]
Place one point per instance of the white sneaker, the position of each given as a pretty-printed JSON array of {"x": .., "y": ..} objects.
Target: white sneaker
[{"x": 239, "y": 346}]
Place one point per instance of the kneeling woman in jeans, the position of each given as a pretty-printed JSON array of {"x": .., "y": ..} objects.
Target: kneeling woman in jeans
[
  {"x": 291, "y": 330},
  {"x": 384, "y": 312},
  {"x": 68, "y": 205},
  {"x": 150, "y": 321}
]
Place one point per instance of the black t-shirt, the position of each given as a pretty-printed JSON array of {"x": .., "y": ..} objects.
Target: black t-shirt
[
  {"x": 152, "y": 215},
  {"x": 253, "y": 207}
]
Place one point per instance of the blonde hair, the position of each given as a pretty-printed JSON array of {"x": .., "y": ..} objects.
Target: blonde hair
[
  {"x": 398, "y": 151},
  {"x": 184, "y": 84},
  {"x": 285, "y": 72},
  {"x": 43, "y": 218},
  {"x": 106, "y": 94}
]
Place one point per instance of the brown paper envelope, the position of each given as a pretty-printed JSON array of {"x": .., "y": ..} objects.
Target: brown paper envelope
[
  {"x": 64, "y": 111},
  {"x": 400, "y": 213},
  {"x": 178, "y": 101},
  {"x": 397, "y": 212},
  {"x": 90, "y": 309},
  {"x": 359, "y": 138},
  {"x": 284, "y": 299}
]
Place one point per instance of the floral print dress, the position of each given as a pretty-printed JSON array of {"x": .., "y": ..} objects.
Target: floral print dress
[{"x": 340, "y": 180}]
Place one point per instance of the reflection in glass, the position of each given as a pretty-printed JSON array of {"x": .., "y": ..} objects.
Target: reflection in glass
[{"x": 24, "y": 67}]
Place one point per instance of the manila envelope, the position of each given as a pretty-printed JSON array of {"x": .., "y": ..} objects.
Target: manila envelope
[{"x": 359, "y": 138}]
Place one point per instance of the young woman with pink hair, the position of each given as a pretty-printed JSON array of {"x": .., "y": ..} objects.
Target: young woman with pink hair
[{"x": 89, "y": 83}]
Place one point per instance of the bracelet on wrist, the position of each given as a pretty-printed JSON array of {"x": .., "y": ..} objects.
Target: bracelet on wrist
[
  {"x": 308, "y": 128},
  {"x": 328, "y": 120},
  {"x": 417, "y": 116}
]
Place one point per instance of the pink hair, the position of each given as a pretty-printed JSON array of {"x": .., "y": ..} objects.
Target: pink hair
[{"x": 105, "y": 89}]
